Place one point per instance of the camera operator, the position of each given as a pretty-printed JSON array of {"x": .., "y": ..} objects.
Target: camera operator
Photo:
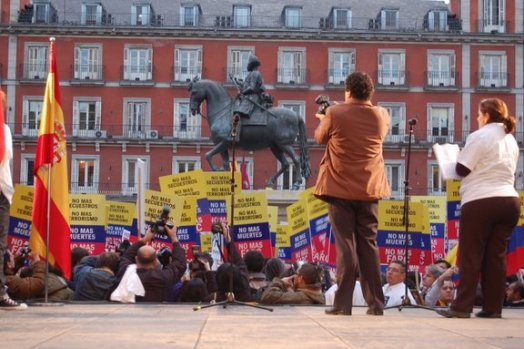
[
  {"x": 156, "y": 281},
  {"x": 95, "y": 277},
  {"x": 200, "y": 286},
  {"x": 235, "y": 268}
]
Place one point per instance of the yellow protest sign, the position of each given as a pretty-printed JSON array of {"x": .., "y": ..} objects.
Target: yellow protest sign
[
  {"x": 87, "y": 209},
  {"x": 186, "y": 183},
  {"x": 452, "y": 189},
  {"x": 22, "y": 206},
  {"x": 390, "y": 213},
  {"x": 120, "y": 213},
  {"x": 188, "y": 215},
  {"x": 436, "y": 206},
  {"x": 521, "y": 218},
  {"x": 297, "y": 216},
  {"x": 272, "y": 216},
  {"x": 249, "y": 208},
  {"x": 155, "y": 202},
  {"x": 218, "y": 184}
]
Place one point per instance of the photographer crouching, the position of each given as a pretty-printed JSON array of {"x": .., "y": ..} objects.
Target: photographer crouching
[{"x": 142, "y": 257}]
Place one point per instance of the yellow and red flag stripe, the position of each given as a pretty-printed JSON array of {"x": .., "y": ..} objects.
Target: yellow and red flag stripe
[{"x": 51, "y": 156}]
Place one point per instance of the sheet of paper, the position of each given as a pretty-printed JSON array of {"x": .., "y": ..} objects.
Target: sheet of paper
[{"x": 447, "y": 155}]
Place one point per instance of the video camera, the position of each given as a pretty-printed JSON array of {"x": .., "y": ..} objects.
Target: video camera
[
  {"x": 323, "y": 102},
  {"x": 159, "y": 227}
]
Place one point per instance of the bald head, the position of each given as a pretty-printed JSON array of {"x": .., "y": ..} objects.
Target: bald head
[{"x": 146, "y": 257}]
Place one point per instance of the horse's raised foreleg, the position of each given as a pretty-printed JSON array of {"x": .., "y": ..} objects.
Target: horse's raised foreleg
[
  {"x": 288, "y": 149},
  {"x": 284, "y": 164},
  {"x": 219, "y": 148},
  {"x": 225, "y": 159}
]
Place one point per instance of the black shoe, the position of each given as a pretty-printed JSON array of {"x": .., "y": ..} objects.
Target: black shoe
[
  {"x": 489, "y": 315},
  {"x": 377, "y": 312},
  {"x": 452, "y": 313},
  {"x": 336, "y": 311},
  {"x": 7, "y": 303}
]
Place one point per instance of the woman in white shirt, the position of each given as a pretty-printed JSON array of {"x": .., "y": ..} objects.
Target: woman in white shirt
[{"x": 490, "y": 208}]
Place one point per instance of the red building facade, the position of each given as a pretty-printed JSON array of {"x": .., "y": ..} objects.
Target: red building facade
[{"x": 124, "y": 70}]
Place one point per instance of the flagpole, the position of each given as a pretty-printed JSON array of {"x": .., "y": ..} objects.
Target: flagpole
[{"x": 48, "y": 228}]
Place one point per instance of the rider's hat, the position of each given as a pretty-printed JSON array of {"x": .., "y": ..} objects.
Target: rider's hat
[{"x": 252, "y": 63}]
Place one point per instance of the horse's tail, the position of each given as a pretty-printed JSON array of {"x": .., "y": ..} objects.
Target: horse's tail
[{"x": 305, "y": 167}]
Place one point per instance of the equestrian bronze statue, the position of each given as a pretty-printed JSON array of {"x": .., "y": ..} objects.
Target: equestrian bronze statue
[{"x": 275, "y": 128}]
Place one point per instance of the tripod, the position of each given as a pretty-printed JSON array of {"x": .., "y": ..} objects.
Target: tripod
[
  {"x": 405, "y": 221},
  {"x": 230, "y": 296}
]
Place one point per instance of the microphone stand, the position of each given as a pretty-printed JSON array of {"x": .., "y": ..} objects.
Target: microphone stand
[
  {"x": 230, "y": 296},
  {"x": 405, "y": 221}
]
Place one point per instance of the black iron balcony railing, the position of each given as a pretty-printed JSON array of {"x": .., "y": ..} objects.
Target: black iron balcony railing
[
  {"x": 441, "y": 78},
  {"x": 137, "y": 73},
  {"x": 492, "y": 79},
  {"x": 291, "y": 76},
  {"x": 392, "y": 78},
  {"x": 186, "y": 74},
  {"x": 34, "y": 71},
  {"x": 87, "y": 72}
]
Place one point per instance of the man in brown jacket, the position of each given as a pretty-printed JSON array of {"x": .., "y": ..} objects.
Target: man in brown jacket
[{"x": 352, "y": 179}]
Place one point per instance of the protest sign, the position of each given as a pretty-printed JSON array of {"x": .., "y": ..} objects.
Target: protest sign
[
  {"x": 120, "y": 217},
  {"x": 186, "y": 226},
  {"x": 437, "y": 218},
  {"x": 299, "y": 229},
  {"x": 283, "y": 243},
  {"x": 453, "y": 209},
  {"x": 272, "y": 217},
  {"x": 88, "y": 222},
  {"x": 184, "y": 184},
  {"x": 20, "y": 218},
  {"x": 319, "y": 226},
  {"x": 154, "y": 203}
]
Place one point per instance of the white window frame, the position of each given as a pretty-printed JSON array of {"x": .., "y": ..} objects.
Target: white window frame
[
  {"x": 493, "y": 17},
  {"x": 87, "y": 18},
  {"x": 141, "y": 14},
  {"x": 438, "y": 20},
  {"x": 437, "y": 134},
  {"x": 298, "y": 107},
  {"x": 189, "y": 20},
  {"x": 242, "y": 16},
  {"x": 344, "y": 13},
  {"x": 138, "y": 63},
  {"x": 186, "y": 160},
  {"x": 397, "y": 127},
  {"x": 127, "y": 188},
  {"x": 433, "y": 165},
  {"x": 341, "y": 64},
  {"x": 293, "y": 17},
  {"x": 36, "y": 61},
  {"x": 88, "y": 62},
  {"x": 440, "y": 72},
  {"x": 132, "y": 128},
  {"x": 489, "y": 76},
  {"x": 291, "y": 65},
  {"x": 36, "y": 103},
  {"x": 388, "y": 15},
  {"x": 77, "y": 187},
  {"x": 397, "y": 189},
  {"x": 97, "y": 122},
  {"x": 391, "y": 67},
  {"x": 25, "y": 170},
  {"x": 288, "y": 177},
  {"x": 193, "y": 122},
  {"x": 237, "y": 59},
  {"x": 43, "y": 17},
  {"x": 188, "y": 62}
]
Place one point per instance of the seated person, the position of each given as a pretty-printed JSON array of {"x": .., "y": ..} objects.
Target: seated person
[
  {"x": 200, "y": 285},
  {"x": 434, "y": 294},
  {"x": 156, "y": 281},
  {"x": 395, "y": 289},
  {"x": 274, "y": 268},
  {"x": 447, "y": 294},
  {"x": 302, "y": 288},
  {"x": 95, "y": 277},
  {"x": 257, "y": 279},
  {"x": 429, "y": 280},
  {"x": 236, "y": 269},
  {"x": 77, "y": 253},
  {"x": 515, "y": 294}
]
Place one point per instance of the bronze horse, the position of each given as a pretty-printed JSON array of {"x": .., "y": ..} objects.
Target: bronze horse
[{"x": 283, "y": 128}]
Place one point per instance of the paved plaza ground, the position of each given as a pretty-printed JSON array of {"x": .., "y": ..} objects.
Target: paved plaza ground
[{"x": 155, "y": 326}]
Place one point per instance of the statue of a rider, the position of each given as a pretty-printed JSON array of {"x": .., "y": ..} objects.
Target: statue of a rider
[{"x": 252, "y": 91}]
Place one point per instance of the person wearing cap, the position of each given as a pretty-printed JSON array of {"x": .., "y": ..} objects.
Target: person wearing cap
[{"x": 251, "y": 89}]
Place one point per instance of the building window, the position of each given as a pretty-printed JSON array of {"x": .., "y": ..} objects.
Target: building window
[
  {"x": 137, "y": 118},
  {"x": 291, "y": 66},
  {"x": 141, "y": 14},
  {"x": 341, "y": 18},
  {"x": 44, "y": 13},
  {"x": 86, "y": 116},
  {"x": 187, "y": 126},
  {"x": 437, "y": 184},
  {"x": 395, "y": 175},
  {"x": 293, "y": 17},
  {"x": 493, "y": 69},
  {"x": 285, "y": 180},
  {"x": 341, "y": 64},
  {"x": 36, "y": 62},
  {"x": 237, "y": 61},
  {"x": 32, "y": 109},
  {"x": 84, "y": 173},
  {"x": 441, "y": 123},
  {"x": 88, "y": 62},
  {"x": 183, "y": 164},
  {"x": 441, "y": 68},
  {"x": 130, "y": 173},
  {"x": 437, "y": 21},
  {"x": 493, "y": 15},
  {"x": 397, "y": 126},
  {"x": 138, "y": 63},
  {"x": 188, "y": 63},
  {"x": 391, "y": 68},
  {"x": 26, "y": 169},
  {"x": 242, "y": 16},
  {"x": 91, "y": 14},
  {"x": 298, "y": 107},
  {"x": 389, "y": 19},
  {"x": 189, "y": 15}
]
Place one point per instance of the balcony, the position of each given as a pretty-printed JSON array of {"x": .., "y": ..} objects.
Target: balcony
[
  {"x": 441, "y": 80},
  {"x": 33, "y": 72},
  {"x": 336, "y": 78},
  {"x": 391, "y": 79},
  {"x": 92, "y": 74},
  {"x": 137, "y": 75},
  {"x": 492, "y": 80},
  {"x": 183, "y": 75},
  {"x": 493, "y": 26},
  {"x": 292, "y": 77}
]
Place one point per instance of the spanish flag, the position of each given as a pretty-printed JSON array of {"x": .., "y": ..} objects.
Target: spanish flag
[{"x": 51, "y": 195}]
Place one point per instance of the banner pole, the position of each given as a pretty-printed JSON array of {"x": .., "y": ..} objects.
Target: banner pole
[{"x": 48, "y": 227}]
